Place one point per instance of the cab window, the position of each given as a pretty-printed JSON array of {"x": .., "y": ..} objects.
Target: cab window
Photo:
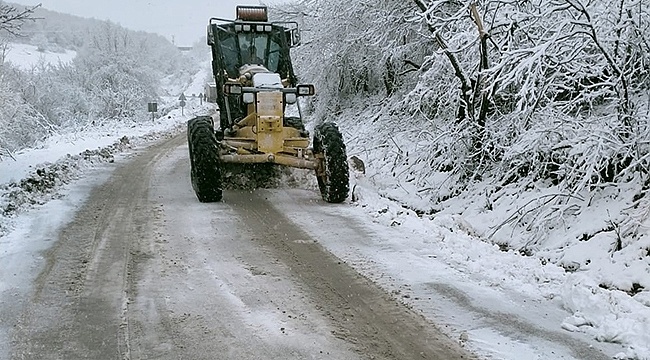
[
  {"x": 230, "y": 53},
  {"x": 274, "y": 55},
  {"x": 253, "y": 48}
]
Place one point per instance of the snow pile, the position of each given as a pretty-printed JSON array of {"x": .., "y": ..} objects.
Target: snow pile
[
  {"x": 42, "y": 183},
  {"x": 534, "y": 158},
  {"x": 609, "y": 316}
]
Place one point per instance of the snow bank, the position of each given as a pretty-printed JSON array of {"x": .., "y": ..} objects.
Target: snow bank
[{"x": 35, "y": 176}]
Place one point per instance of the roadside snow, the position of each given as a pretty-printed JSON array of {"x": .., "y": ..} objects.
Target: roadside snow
[
  {"x": 446, "y": 250},
  {"x": 579, "y": 264},
  {"x": 35, "y": 176}
]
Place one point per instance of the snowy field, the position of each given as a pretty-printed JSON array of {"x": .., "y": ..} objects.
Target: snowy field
[
  {"x": 27, "y": 56},
  {"x": 444, "y": 257}
]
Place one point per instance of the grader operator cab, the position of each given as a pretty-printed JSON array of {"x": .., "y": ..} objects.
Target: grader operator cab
[{"x": 260, "y": 120}]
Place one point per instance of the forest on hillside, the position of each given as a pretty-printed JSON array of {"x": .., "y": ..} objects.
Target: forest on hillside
[
  {"x": 466, "y": 105},
  {"x": 115, "y": 73},
  {"x": 519, "y": 84}
]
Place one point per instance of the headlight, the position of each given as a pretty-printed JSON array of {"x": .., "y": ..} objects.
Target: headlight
[
  {"x": 249, "y": 98},
  {"x": 290, "y": 98}
]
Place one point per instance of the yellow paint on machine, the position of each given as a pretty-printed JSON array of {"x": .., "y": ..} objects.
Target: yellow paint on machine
[{"x": 270, "y": 137}]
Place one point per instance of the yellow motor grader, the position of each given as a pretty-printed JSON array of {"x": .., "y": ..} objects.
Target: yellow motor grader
[{"x": 260, "y": 120}]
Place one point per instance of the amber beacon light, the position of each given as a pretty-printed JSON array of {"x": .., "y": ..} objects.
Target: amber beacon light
[{"x": 252, "y": 13}]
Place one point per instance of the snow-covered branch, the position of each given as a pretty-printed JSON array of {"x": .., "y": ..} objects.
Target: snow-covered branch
[{"x": 12, "y": 18}]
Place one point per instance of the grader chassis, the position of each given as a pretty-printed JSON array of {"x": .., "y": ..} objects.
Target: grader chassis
[{"x": 256, "y": 89}]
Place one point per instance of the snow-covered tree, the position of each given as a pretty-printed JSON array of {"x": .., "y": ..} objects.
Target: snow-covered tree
[
  {"x": 457, "y": 92},
  {"x": 492, "y": 72},
  {"x": 13, "y": 18},
  {"x": 115, "y": 73}
]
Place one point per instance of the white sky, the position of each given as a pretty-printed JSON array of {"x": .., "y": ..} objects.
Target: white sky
[{"x": 185, "y": 20}]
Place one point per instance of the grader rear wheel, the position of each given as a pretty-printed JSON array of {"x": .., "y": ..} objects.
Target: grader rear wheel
[{"x": 333, "y": 176}]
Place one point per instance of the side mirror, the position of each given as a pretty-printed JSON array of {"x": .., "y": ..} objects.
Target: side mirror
[
  {"x": 295, "y": 37},
  {"x": 305, "y": 90},
  {"x": 210, "y": 36}
]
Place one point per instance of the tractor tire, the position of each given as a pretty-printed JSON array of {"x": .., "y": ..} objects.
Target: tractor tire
[
  {"x": 333, "y": 177},
  {"x": 205, "y": 167}
]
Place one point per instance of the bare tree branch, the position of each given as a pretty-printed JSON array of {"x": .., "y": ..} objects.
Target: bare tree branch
[{"x": 12, "y": 19}]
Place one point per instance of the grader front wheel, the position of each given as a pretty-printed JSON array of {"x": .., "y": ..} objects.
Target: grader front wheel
[
  {"x": 333, "y": 176},
  {"x": 204, "y": 159}
]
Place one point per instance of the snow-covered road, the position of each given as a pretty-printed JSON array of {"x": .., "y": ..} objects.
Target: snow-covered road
[
  {"x": 495, "y": 322},
  {"x": 143, "y": 270}
]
